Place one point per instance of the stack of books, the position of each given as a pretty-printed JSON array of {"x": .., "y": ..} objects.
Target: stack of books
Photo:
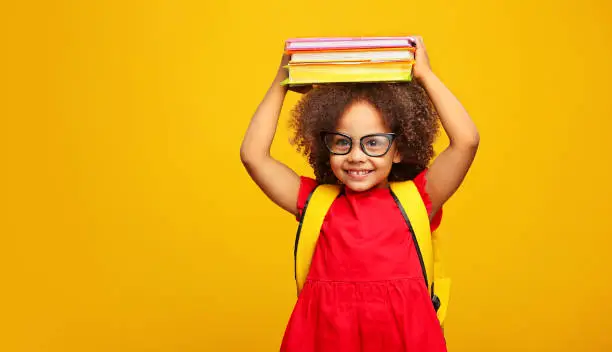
[{"x": 363, "y": 59}]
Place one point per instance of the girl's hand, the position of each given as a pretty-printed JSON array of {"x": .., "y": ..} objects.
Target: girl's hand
[
  {"x": 421, "y": 66},
  {"x": 283, "y": 74}
]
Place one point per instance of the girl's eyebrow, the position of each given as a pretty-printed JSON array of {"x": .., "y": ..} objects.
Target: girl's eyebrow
[{"x": 363, "y": 135}]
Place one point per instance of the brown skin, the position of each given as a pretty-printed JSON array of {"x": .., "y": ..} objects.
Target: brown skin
[{"x": 445, "y": 175}]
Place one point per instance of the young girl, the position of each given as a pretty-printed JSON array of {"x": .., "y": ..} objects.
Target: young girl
[{"x": 365, "y": 289}]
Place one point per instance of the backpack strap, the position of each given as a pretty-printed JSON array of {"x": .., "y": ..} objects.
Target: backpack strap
[
  {"x": 318, "y": 203},
  {"x": 411, "y": 205},
  {"x": 428, "y": 245}
]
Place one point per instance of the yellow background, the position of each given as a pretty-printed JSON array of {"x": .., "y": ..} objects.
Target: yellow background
[{"x": 129, "y": 224}]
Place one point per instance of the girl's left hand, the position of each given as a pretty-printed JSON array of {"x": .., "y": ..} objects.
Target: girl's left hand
[{"x": 421, "y": 65}]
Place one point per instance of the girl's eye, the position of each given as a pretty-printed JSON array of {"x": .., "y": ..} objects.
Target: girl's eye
[
  {"x": 342, "y": 142},
  {"x": 376, "y": 143}
]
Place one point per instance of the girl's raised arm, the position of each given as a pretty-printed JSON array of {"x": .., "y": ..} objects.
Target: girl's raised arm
[
  {"x": 448, "y": 170},
  {"x": 275, "y": 179}
]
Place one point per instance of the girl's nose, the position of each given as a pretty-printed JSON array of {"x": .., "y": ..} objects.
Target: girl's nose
[{"x": 356, "y": 154}]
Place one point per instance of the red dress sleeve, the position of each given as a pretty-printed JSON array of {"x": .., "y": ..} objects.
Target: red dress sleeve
[
  {"x": 421, "y": 182},
  {"x": 307, "y": 185}
]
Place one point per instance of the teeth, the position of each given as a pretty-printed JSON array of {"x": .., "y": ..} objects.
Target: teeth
[{"x": 358, "y": 172}]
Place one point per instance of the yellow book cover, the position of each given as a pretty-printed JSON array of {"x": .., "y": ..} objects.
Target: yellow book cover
[{"x": 300, "y": 74}]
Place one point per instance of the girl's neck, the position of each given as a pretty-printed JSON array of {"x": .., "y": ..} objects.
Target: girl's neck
[{"x": 381, "y": 186}]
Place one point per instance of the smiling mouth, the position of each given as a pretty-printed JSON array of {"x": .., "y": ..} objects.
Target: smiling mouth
[{"x": 358, "y": 173}]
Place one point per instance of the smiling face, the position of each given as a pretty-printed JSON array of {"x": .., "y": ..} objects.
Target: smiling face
[{"x": 356, "y": 169}]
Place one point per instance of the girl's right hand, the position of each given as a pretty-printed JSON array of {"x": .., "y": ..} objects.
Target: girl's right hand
[{"x": 283, "y": 74}]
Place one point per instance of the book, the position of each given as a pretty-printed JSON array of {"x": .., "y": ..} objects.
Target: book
[
  {"x": 349, "y": 59},
  {"x": 357, "y": 56},
  {"x": 302, "y": 74},
  {"x": 340, "y": 43}
]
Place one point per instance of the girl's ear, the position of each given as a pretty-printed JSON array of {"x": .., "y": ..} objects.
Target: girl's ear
[{"x": 397, "y": 157}]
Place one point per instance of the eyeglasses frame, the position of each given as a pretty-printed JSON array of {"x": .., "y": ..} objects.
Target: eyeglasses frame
[{"x": 390, "y": 136}]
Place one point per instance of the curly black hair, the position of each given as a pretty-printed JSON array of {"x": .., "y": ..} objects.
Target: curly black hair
[{"x": 405, "y": 108}]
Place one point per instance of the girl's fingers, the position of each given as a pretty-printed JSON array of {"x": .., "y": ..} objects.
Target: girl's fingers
[{"x": 420, "y": 42}]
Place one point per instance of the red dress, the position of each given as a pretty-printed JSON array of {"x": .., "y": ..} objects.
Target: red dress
[{"x": 365, "y": 291}]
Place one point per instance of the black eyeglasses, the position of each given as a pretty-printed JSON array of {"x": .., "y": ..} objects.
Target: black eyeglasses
[{"x": 374, "y": 145}]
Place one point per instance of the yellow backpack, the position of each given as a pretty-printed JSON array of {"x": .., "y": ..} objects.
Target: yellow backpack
[{"x": 410, "y": 204}]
